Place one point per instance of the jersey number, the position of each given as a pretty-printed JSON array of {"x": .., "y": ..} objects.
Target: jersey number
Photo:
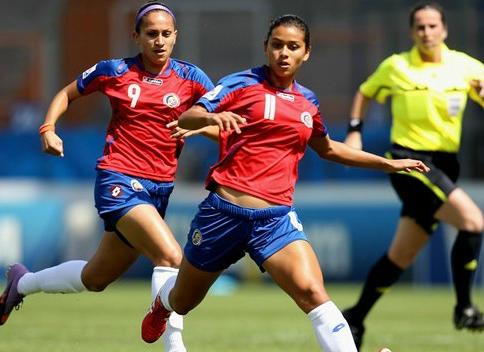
[
  {"x": 270, "y": 107},
  {"x": 134, "y": 92}
]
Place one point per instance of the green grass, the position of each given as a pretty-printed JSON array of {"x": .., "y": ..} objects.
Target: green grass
[{"x": 255, "y": 318}]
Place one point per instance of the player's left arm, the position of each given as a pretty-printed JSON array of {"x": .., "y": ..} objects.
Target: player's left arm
[
  {"x": 343, "y": 154},
  {"x": 211, "y": 132},
  {"x": 198, "y": 117}
]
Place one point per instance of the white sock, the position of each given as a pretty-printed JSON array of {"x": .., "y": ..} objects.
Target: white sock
[
  {"x": 332, "y": 330},
  {"x": 165, "y": 291},
  {"x": 172, "y": 338},
  {"x": 63, "y": 278}
]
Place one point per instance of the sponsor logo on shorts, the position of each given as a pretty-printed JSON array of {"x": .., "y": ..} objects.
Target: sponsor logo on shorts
[
  {"x": 197, "y": 237},
  {"x": 171, "y": 100},
  {"x": 151, "y": 80},
  {"x": 338, "y": 327},
  {"x": 307, "y": 119},
  {"x": 116, "y": 191},
  {"x": 136, "y": 185}
]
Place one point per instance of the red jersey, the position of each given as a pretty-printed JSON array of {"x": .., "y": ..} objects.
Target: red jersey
[
  {"x": 138, "y": 143},
  {"x": 263, "y": 160}
]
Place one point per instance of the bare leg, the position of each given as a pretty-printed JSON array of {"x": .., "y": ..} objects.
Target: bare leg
[
  {"x": 191, "y": 287},
  {"x": 296, "y": 270}
]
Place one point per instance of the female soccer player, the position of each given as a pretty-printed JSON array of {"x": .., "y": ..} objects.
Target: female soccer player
[
  {"x": 135, "y": 175},
  {"x": 429, "y": 86},
  {"x": 266, "y": 120}
]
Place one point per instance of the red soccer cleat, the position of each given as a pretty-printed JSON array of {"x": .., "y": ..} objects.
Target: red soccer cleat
[{"x": 154, "y": 322}]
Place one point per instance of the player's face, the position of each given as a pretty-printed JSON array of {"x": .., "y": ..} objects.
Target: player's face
[
  {"x": 428, "y": 31},
  {"x": 156, "y": 39},
  {"x": 286, "y": 51}
]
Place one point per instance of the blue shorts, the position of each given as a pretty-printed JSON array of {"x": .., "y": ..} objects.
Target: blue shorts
[
  {"x": 116, "y": 193},
  {"x": 222, "y": 232}
]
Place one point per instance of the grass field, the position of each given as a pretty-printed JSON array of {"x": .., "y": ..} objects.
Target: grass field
[{"x": 255, "y": 318}]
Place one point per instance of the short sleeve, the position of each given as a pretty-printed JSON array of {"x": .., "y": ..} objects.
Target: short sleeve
[
  {"x": 224, "y": 94},
  {"x": 203, "y": 84},
  {"x": 319, "y": 128},
  {"x": 93, "y": 78},
  {"x": 378, "y": 85},
  {"x": 475, "y": 71}
]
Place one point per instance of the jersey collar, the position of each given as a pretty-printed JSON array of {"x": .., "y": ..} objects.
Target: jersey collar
[
  {"x": 294, "y": 86},
  {"x": 416, "y": 60},
  {"x": 166, "y": 72}
]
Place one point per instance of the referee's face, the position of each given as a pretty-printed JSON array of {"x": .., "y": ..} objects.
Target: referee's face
[
  {"x": 428, "y": 30},
  {"x": 286, "y": 51},
  {"x": 156, "y": 39}
]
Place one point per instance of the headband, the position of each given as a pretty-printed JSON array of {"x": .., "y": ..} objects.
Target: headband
[{"x": 149, "y": 8}]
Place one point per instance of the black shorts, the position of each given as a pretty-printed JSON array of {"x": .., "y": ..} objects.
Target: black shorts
[{"x": 423, "y": 194}]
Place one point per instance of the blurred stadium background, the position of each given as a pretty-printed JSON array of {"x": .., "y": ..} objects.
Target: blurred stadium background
[{"x": 46, "y": 204}]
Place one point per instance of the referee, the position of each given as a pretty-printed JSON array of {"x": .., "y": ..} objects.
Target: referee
[{"x": 429, "y": 86}]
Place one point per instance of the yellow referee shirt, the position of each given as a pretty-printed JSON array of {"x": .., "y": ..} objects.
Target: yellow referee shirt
[{"x": 428, "y": 99}]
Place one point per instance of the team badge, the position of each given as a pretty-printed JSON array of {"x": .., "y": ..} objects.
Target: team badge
[
  {"x": 197, "y": 237},
  {"x": 172, "y": 100},
  {"x": 116, "y": 191},
  {"x": 136, "y": 185},
  {"x": 307, "y": 119}
]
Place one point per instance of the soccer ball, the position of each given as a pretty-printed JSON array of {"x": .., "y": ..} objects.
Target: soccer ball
[{"x": 384, "y": 349}]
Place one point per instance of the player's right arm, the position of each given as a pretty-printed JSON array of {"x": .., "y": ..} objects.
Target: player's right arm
[
  {"x": 211, "y": 132},
  {"x": 50, "y": 141},
  {"x": 198, "y": 117}
]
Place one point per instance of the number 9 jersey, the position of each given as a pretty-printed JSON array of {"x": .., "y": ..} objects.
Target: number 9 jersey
[{"x": 138, "y": 143}]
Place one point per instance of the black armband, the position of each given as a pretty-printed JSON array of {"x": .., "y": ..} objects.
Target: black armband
[{"x": 355, "y": 125}]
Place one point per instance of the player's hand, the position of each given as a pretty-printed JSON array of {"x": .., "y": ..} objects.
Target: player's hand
[
  {"x": 226, "y": 121},
  {"x": 52, "y": 144},
  {"x": 478, "y": 85},
  {"x": 407, "y": 165},
  {"x": 353, "y": 140},
  {"x": 180, "y": 133}
]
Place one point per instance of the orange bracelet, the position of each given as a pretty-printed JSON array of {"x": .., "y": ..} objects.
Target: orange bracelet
[{"x": 46, "y": 127}]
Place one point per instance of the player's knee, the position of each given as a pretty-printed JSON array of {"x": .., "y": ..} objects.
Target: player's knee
[
  {"x": 310, "y": 296},
  {"x": 173, "y": 260},
  {"x": 474, "y": 222}
]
